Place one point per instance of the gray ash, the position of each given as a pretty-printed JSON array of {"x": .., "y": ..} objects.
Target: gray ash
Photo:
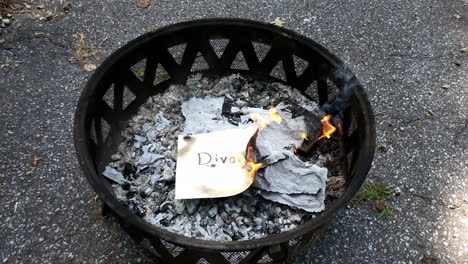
[{"x": 143, "y": 169}]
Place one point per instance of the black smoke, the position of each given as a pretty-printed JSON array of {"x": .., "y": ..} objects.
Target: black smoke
[{"x": 344, "y": 78}]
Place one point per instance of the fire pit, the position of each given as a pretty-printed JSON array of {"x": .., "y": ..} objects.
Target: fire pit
[{"x": 216, "y": 48}]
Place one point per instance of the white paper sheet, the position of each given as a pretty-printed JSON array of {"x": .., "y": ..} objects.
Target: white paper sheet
[{"x": 207, "y": 164}]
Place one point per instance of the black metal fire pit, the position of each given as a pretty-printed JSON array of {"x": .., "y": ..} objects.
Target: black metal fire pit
[{"x": 212, "y": 46}]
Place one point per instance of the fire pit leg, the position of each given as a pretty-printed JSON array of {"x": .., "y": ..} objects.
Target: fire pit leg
[
  {"x": 161, "y": 249},
  {"x": 253, "y": 257},
  {"x": 136, "y": 236},
  {"x": 308, "y": 239},
  {"x": 105, "y": 210},
  {"x": 278, "y": 252},
  {"x": 186, "y": 257}
]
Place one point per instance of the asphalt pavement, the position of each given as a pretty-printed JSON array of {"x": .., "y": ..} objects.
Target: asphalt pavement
[{"x": 410, "y": 56}]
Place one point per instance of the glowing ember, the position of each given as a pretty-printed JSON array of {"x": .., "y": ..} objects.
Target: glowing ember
[
  {"x": 328, "y": 129},
  {"x": 304, "y": 136},
  {"x": 248, "y": 163},
  {"x": 264, "y": 121}
]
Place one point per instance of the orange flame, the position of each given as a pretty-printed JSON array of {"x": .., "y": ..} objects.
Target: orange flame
[
  {"x": 327, "y": 129},
  {"x": 274, "y": 115},
  {"x": 264, "y": 121},
  {"x": 304, "y": 136},
  {"x": 257, "y": 118},
  {"x": 248, "y": 163}
]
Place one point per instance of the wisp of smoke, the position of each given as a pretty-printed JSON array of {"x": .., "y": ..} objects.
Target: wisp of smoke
[{"x": 343, "y": 99}]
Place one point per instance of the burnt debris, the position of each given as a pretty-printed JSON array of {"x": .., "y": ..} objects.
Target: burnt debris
[{"x": 129, "y": 171}]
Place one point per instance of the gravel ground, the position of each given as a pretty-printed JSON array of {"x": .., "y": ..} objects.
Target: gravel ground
[{"x": 404, "y": 52}]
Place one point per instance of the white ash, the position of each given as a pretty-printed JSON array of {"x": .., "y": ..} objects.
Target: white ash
[
  {"x": 275, "y": 140},
  {"x": 114, "y": 175},
  {"x": 147, "y": 157},
  {"x": 292, "y": 176},
  {"x": 203, "y": 115},
  {"x": 309, "y": 203},
  {"x": 294, "y": 183}
]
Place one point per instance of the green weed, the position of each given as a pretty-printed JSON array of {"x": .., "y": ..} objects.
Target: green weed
[
  {"x": 87, "y": 48},
  {"x": 376, "y": 192}
]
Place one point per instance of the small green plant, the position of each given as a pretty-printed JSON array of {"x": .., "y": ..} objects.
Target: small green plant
[
  {"x": 378, "y": 193},
  {"x": 373, "y": 191},
  {"x": 386, "y": 213},
  {"x": 87, "y": 48}
]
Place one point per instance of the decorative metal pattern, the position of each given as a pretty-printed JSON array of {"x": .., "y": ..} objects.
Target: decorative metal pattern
[{"x": 149, "y": 64}]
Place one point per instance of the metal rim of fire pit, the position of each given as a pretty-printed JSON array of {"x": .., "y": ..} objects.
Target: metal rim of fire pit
[{"x": 92, "y": 110}]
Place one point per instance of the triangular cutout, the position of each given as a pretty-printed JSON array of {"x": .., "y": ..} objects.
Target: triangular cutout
[
  {"x": 312, "y": 92},
  {"x": 105, "y": 129},
  {"x": 300, "y": 65},
  {"x": 265, "y": 259},
  {"x": 177, "y": 52},
  {"x": 332, "y": 89},
  {"x": 294, "y": 241},
  {"x": 202, "y": 261},
  {"x": 235, "y": 257},
  {"x": 219, "y": 46},
  {"x": 261, "y": 50},
  {"x": 128, "y": 97},
  {"x": 161, "y": 75},
  {"x": 278, "y": 71},
  {"x": 239, "y": 62},
  {"x": 109, "y": 96},
  {"x": 227, "y": 255},
  {"x": 139, "y": 69},
  {"x": 199, "y": 63},
  {"x": 174, "y": 250},
  {"x": 92, "y": 132}
]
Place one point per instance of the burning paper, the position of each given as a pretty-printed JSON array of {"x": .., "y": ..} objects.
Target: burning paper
[
  {"x": 204, "y": 172},
  {"x": 212, "y": 164}
]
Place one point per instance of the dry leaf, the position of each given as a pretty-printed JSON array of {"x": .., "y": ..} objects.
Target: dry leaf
[
  {"x": 4, "y": 64},
  {"x": 35, "y": 161},
  {"x": 143, "y": 3},
  {"x": 66, "y": 6},
  {"x": 378, "y": 205},
  {"x": 89, "y": 67},
  {"x": 83, "y": 52},
  {"x": 277, "y": 22},
  {"x": 457, "y": 16},
  {"x": 48, "y": 15},
  {"x": 16, "y": 6},
  {"x": 82, "y": 37},
  {"x": 429, "y": 260}
]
